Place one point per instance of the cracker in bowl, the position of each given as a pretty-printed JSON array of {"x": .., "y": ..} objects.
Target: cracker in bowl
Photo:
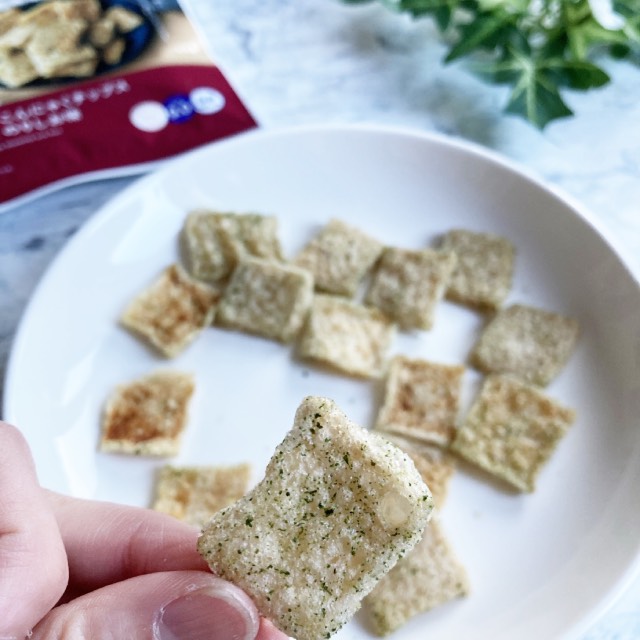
[
  {"x": 147, "y": 416},
  {"x": 267, "y": 299},
  {"x": 337, "y": 508},
  {"x": 407, "y": 285},
  {"x": 346, "y": 336},
  {"x": 427, "y": 577},
  {"x": 339, "y": 257},
  {"x": 421, "y": 400},
  {"x": 511, "y": 431},
  {"x": 194, "y": 494},
  {"x": 484, "y": 270},
  {"x": 530, "y": 343},
  {"x": 172, "y": 311}
]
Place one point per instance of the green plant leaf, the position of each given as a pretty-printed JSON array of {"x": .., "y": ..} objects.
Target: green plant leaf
[
  {"x": 538, "y": 47},
  {"x": 576, "y": 74},
  {"x": 485, "y": 32}
]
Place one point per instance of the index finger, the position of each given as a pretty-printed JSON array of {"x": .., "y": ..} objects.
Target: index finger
[{"x": 108, "y": 543}]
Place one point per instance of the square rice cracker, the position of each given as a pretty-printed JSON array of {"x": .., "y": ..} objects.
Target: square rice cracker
[
  {"x": 484, "y": 269},
  {"x": 338, "y": 506},
  {"x": 16, "y": 69},
  {"x": 339, "y": 257},
  {"x": 527, "y": 342},
  {"x": 58, "y": 45},
  {"x": 124, "y": 19},
  {"x": 407, "y": 285},
  {"x": 511, "y": 431},
  {"x": 195, "y": 494},
  {"x": 427, "y": 577},
  {"x": 267, "y": 299},
  {"x": 214, "y": 242},
  {"x": 346, "y": 336},
  {"x": 147, "y": 416},
  {"x": 422, "y": 399},
  {"x": 172, "y": 311},
  {"x": 435, "y": 465}
]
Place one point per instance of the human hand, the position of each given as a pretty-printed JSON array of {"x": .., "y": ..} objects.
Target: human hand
[{"x": 80, "y": 569}]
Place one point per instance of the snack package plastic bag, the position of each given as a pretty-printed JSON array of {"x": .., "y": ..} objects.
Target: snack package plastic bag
[{"x": 97, "y": 88}]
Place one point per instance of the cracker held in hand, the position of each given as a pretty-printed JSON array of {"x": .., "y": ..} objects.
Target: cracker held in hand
[
  {"x": 512, "y": 430},
  {"x": 347, "y": 336},
  {"x": 428, "y": 576},
  {"x": 147, "y": 416},
  {"x": 267, "y": 299},
  {"x": 421, "y": 399},
  {"x": 407, "y": 285},
  {"x": 194, "y": 494},
  {"x": 484, "y": 270},
  {"x": 339, "y": 257},
  {"x": 527, "y": 342},
  {"x": 337, "y": 508},
  {"x": 173, "y": 311}
]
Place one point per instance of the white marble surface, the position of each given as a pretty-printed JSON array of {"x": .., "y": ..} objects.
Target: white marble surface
[{"x": 316, "y": 61}]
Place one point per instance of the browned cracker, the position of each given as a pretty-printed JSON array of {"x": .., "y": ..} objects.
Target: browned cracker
[
  {"x": 422, "y": 399},
  {"x": 511, "y": 430},
  {"x": 172, "y": 311},
  {"x": 147, "y": 416}
]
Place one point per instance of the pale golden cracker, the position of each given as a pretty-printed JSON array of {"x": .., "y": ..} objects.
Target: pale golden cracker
[
  {"x": 346, "y": 336},
  {"x": 339, "y": 256},
  {"x": 124, "y": 19},
  {"x": 407, "y": 285},
  {"x": 214, "y": 242},
  {"x": 435, "y": 465},
  {"x": 267, "y": 299},
  {"x": 427, "y": 577},
  {"x": 172, "y": 311},
  {"x": 511, "y": 431},
  {"x": 194, "y": 494},
  {"x": 527, "y": 342},
  {"x": 337, "y": 508},
  {"x": 421, "y": 400},
  {"x": 16, "y": 69},
  {"x": 147, "y": 416}
]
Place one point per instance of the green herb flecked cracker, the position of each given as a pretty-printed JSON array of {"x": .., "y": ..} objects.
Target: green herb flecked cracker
[
  {"x": 530, "y": 343},
  {"x": 266, "y": 298},
  {"x": 338, "y": 506},
  {"x": 339, "y": 257},
  {"x": 407, "y": 285},
  {"x": 484, "y": 269}
]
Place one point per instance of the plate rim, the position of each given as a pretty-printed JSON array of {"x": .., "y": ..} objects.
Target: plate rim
[{"x": 459, "y": 145}]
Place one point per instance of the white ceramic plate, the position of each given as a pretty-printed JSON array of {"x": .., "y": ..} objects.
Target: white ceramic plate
[{"x": 542, "y": 565}]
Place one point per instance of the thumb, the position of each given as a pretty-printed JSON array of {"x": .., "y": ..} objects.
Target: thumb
[{"x": 176, "y": 605}]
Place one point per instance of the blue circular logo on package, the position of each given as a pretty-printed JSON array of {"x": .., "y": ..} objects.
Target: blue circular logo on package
[{"x": 179, "y": 108}]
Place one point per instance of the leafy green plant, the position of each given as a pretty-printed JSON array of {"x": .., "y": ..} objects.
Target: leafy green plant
[{"x": 538, "y": 47}]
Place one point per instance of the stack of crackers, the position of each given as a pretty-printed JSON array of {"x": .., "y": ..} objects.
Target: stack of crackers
[
  {"x": 61, "y": 39},
  {"x": 341, "y": 301}
]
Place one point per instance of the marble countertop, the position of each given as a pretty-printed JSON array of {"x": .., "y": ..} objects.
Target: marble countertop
[{"x": 319, "y": 61}]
